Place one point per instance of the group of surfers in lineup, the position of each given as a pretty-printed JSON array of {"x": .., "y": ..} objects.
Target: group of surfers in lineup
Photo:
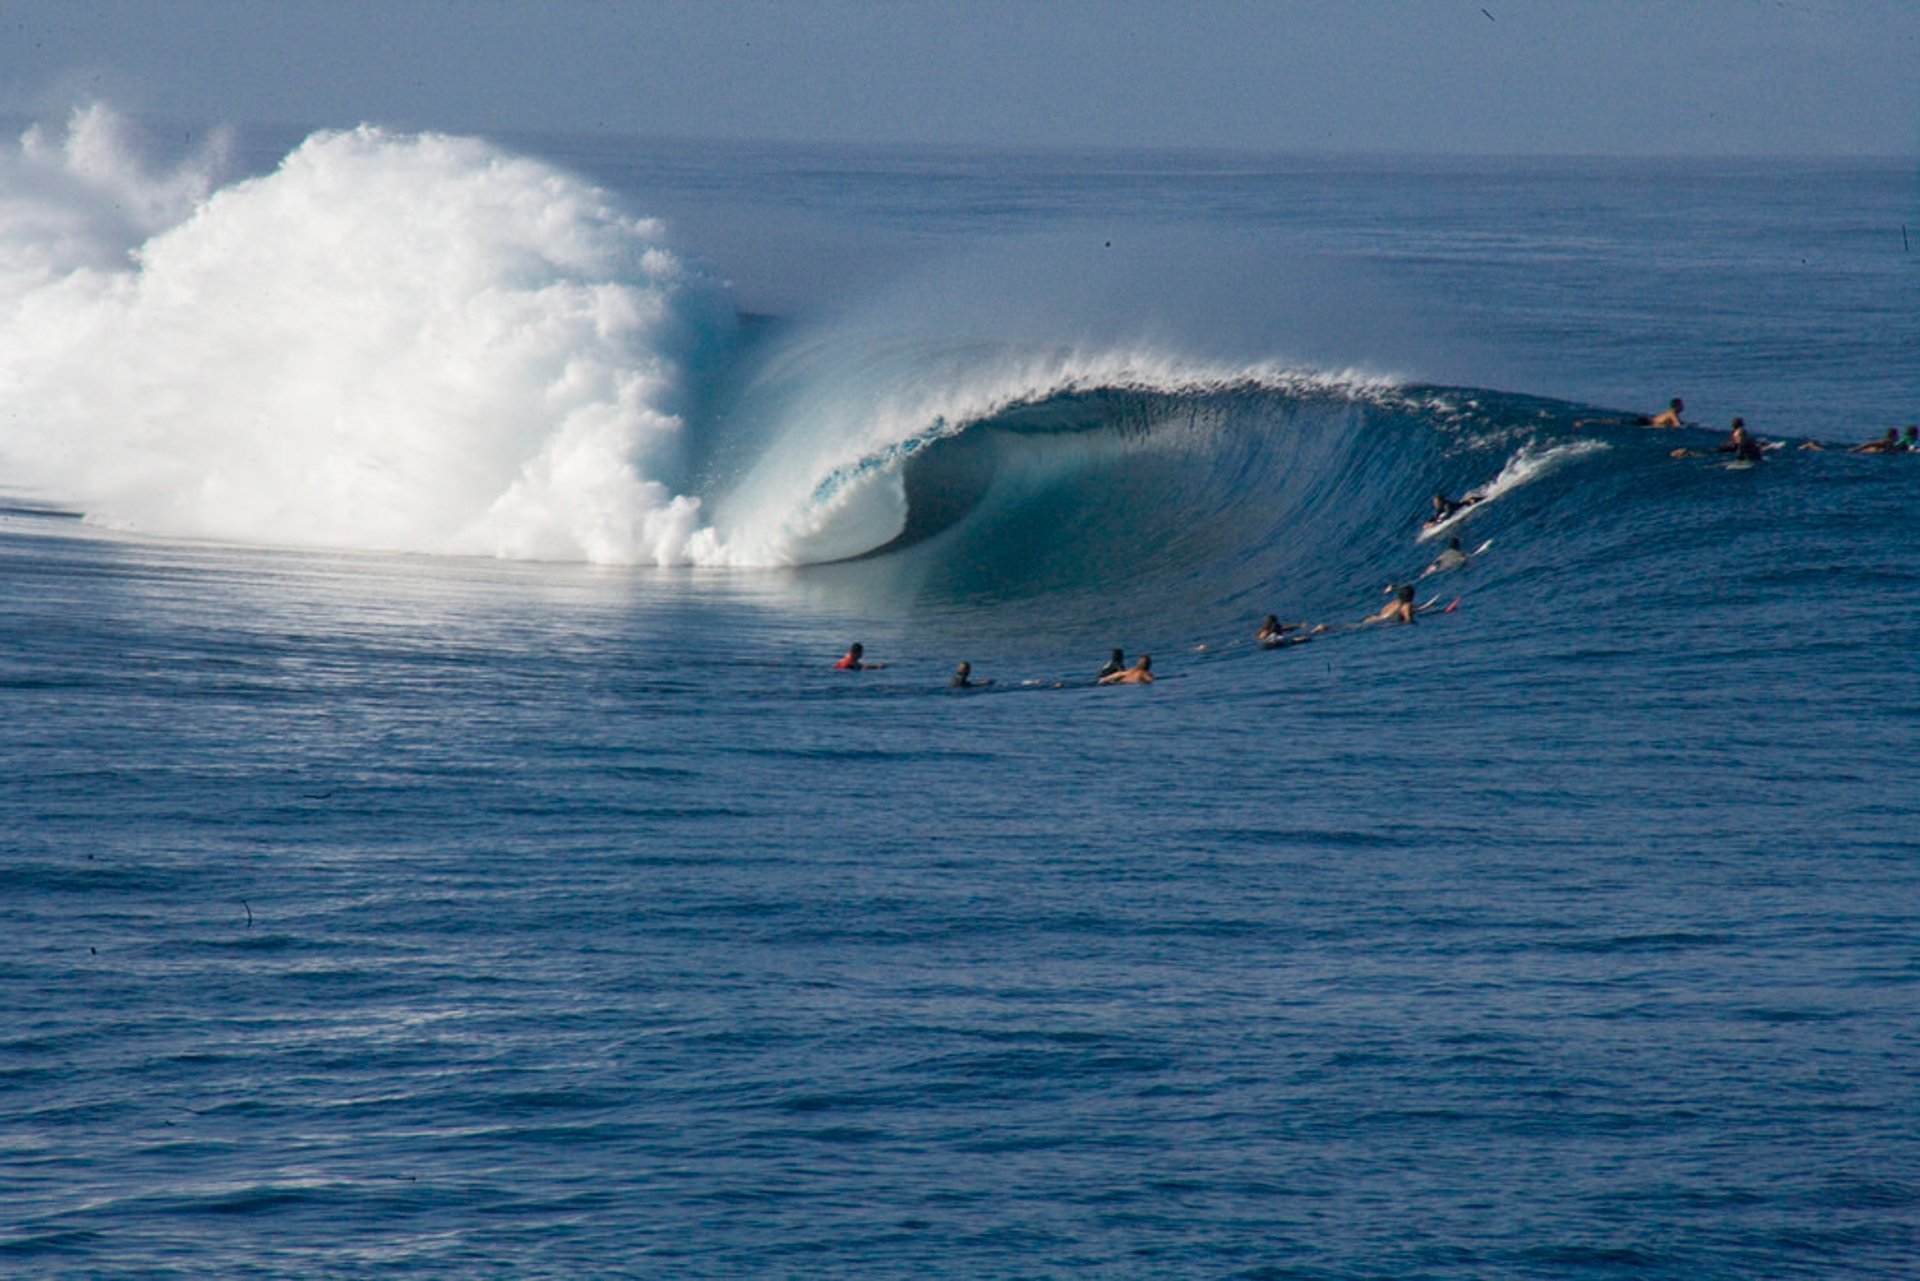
[
  {"x": 1274, "y": 634},
  {"x": 1745, "y": 448}
]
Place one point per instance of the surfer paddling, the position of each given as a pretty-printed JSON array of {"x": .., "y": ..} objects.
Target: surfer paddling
[
  {"x": 1743, "y": 447},
  {"x": 1398, "y": 610},
  {"x": 1141, "y": 673},
  {"x": 1887, "y": 444},
  {"x": 963, "y": 678},
  {"x": 1273, "y": 633},
  {"x": 854, "y": 660},
  {"x": 1670, "y": 417},
  {"x": 1452, "y": 558},
  {"x": 1445, "y": 509}
]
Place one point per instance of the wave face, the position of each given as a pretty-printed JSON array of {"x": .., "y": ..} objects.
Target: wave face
[
  {"x": 1207, "y": 492},
  {"x": 426, "y": 344}
]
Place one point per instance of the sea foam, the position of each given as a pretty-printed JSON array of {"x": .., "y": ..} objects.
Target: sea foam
[{"x": 409, "y": 342}]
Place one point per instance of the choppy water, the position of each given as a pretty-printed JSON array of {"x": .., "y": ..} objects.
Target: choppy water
[{"x": 404, "y": 912}]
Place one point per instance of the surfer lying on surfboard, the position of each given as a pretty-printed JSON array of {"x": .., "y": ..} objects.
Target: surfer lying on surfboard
[
  {"x": 1452, "y": 558},
  {"x": 1444, "y": 508},
  {"x": 1744, "y": 448},
  {"x": 1398, "y": 610},
  {"x": 1273, "y": 633}
]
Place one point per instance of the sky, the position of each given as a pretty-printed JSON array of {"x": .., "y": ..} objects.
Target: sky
[{"x": 1607, "y": 77}]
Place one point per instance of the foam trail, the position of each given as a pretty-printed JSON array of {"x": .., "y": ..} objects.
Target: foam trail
[{"x": 402, "y": 342}]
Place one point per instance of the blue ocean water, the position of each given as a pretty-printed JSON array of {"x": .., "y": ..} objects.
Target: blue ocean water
[{"x": 403, "y": 905}]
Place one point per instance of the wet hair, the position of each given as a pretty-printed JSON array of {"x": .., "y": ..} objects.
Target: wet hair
[
  {"x": 1675, "y": 404},
  {"x": 1406, "y": 593},
  {"x": 855, "y": 649},
  {"x": 963, "y": 669},
  {"x": 1270, "y": 621},
  {"x": 1146, "y": 662},
  {"x": 1739, "y": 424}
]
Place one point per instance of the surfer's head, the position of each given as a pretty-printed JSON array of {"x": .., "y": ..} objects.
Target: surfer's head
[
  {"x": 1406, "y": 594},
  {"x": 1675, "y": 405}
]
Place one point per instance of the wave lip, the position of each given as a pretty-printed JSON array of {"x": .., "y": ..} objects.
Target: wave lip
[{"x": 832, "y": 480}]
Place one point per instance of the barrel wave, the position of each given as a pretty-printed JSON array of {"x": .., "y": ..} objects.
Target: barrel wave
[{"x": 428, "y": 344}]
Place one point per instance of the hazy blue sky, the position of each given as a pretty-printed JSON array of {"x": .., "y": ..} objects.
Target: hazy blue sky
[{"x": 1662, "y": 76}]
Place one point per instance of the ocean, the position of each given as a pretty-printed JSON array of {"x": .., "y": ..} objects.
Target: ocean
[{"x": 434, "y": 839}]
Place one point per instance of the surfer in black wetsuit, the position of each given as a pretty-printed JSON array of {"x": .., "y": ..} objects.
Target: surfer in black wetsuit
[
  {"x": 1744, "y": 448},
  {"x": 1443, "y": 507},
  {"x": 963, "y": 678},
  {"x": 1273, "y": 632},
  {"x": 1116, "y": 663}
]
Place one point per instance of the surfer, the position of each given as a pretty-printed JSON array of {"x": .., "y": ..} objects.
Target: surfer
[
  {"x": 1452, "y": 558},
  {"x": 1669, "y": 418},
  {"x": 963, "y": 678},
  {"x": 1398, "y": 610},
  {"x": 1273, "y": 632},
  {"x": 1911, "y": 441},
  {"x": 1116, "y": 662},
  {"x": 1444, "y": 507},
  {"x": 854, "y": 661},
  {"x": 1141, "y": 673},
  {"x": 1887, "y": 444},
  {"x": 1744, "y": 448}
]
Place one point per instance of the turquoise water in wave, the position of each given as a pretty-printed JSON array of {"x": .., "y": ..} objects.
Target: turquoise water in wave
[{"x": 412, "y": 914}]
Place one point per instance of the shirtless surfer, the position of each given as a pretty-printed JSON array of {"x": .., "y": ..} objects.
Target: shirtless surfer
[
  {"x": 1670, "y": 417},
  {"x": 1887, "y": 444},
  {"x": 1141, "y": 673},
  {"x": 1398, "y": 610}
]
